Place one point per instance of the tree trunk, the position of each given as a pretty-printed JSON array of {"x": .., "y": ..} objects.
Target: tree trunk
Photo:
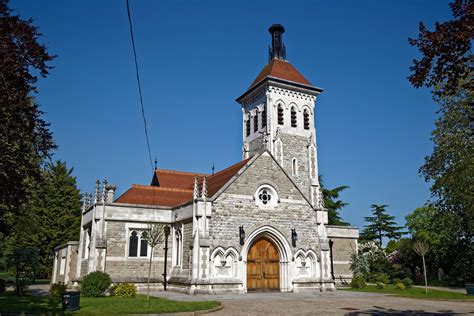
[
  {"x": 149, "y": 275},
  {"x": 424, "y": 273}
]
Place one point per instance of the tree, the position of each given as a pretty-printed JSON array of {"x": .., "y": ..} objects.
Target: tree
[
  {"x": 154, "y": 236},
  {"x": 333, "y": 204},
  {"x": 446, "y": 52},
  {"x": 54, "y": 208},
  {"x": 381, "y": 225},
  {"x": 421, "y": 247},
  {"x": 25, "y": 140},
  {"x": 23, "y": 261}
]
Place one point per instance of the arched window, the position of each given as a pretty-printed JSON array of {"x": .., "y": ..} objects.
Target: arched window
[
  {"x": 144, "y": 245},
  {"x": 133, "y": 246},
  {"x": 280, "y": 115},
  {"x": 247, "y": 127},
  {"x": 306, "y": 119},
  {"x": 293, "y": 117},
  {"x": 294, "y": 167},
  {"x": 264, "y": 116},
  {"x": 255, "y": 122},
  {"x": 178, "y": 240}
]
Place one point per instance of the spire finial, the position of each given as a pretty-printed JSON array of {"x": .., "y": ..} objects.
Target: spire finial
[
  {"x": 156, "y": 163},
  {"x": 96, "y": 191},
  {"x": 196, "y": 189},
  {"x": 277, "y": 51},
  {"x": 204, "y": 188},
  {"x": 213, "y": 168}
]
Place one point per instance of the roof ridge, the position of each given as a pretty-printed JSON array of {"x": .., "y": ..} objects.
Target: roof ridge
[
  {"x": 150, "y": 187},
  {"x": 181, "y": 172},
  {"x": 231, "y": 166}
]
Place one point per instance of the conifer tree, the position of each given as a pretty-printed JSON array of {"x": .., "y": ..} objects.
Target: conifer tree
[
  {"x": 333, "y": 204},
  {"x": 380, "y": 225}
]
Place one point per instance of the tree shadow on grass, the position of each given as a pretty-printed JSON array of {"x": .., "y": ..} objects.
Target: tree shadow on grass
[{"x": 378, "y": 310}]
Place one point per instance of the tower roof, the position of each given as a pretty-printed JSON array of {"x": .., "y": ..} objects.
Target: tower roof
[{"x": 280, "y": 69}]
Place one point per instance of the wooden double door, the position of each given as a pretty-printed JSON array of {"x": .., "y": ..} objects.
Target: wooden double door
[{"x": 263, "y": 267}]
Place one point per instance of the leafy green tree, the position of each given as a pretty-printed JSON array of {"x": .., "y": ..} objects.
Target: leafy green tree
[
  {"x": 56, "y": 210},
  {"x": 23, "y": 262},
  {"x": 381, "y": 225},
  {"x": 333, "y": 204},
  {"x": 25, "y": 140}
]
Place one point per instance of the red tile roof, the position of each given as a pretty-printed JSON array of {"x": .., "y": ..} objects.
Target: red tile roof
[
  {"x": 282, "y": 69},
  {"x": 175, "y": 187},
  {"x": 158, "y": 196},
  {"x": 174, "y": 179}
]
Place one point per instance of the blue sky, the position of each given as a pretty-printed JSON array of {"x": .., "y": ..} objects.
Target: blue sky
[{"x": 196, "y": 57}]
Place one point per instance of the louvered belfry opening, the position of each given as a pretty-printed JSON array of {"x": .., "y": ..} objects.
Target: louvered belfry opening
[
  {"x": 255, "y": 122},
  {"x": 306, "y": 119},
  {"x": 293, "y": 117},
  {"x": 280, "y": 115},
  {"x": 247, "y": 127}
]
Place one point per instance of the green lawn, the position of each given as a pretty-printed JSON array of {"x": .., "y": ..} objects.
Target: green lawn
[
  {"x": 414, "y": 292},
  {"x": 100, "y": 306}
]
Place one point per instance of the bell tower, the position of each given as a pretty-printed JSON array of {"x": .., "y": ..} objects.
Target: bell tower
[{"x": 278, "y": 116}]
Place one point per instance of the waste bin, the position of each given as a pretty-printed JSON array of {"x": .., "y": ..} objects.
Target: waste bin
[
  {"x": 470, "y": 289},
  {"x": 71, "y": 300}
]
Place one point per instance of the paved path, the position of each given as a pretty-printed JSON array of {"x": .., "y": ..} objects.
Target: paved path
[{"x": 336, "y": 303}]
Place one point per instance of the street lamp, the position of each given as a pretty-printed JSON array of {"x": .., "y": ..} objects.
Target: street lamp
[{"x": 167, "y": 233}]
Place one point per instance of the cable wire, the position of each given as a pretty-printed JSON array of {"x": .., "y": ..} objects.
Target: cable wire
[{"x": 139, "y": 84}]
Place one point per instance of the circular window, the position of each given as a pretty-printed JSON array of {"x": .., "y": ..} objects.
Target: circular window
[{"x": 266, "y": 196}]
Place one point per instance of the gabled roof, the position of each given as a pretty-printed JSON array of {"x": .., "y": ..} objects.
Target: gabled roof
[
  {"x": 157, "y": 196},
  {"x": 171, "y": 188},
  {"x": 174, "y": 179},
  {"x": 281, "y": 69}
]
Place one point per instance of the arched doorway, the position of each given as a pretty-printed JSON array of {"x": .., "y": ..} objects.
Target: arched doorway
[{"x": 263, "y": 266}]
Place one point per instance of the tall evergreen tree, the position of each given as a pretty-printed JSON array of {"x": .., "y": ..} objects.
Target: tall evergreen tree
[
  {"x": 333, "y": 204},
  {"x": 381, "y": 225},
  {"x": 55, "y": 209},
  {"x": 25, "y": 140}
]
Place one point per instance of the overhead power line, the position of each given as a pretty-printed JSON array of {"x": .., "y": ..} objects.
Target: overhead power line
[{"x": 139, "y": 84}]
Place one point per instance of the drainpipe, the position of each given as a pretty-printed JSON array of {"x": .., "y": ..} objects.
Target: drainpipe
[{"x": 331, "y": 243}]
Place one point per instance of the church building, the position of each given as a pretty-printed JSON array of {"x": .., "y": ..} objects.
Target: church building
[{"x": 257, "y": 225}]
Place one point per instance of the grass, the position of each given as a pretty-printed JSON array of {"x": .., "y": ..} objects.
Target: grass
[
  {"x": 414, "y": 292},
  {"x": 101, "y": 305}
]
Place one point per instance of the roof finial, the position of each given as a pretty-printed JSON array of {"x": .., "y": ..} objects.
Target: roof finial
[
  {"x": 156, "y": 163},
  {"x": 277, "y": 50},
  {"x": 196, "y": 189},
  {"x": 213, "y": 168},
  {"x": 204, "y": 188}
]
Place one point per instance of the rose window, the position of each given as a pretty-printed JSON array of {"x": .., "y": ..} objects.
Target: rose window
[{"x": 265, "y": 197}]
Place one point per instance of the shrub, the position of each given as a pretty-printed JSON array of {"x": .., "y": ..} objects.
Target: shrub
[
  {"x": 126, "y": 290},
  {"x": 358, "y": 282},
  {"x": 400, "y": 286},
  {"x": 3, "y": 285},
  {"x": 57, "y": 289},
  {"x": 396, "y": 280},
  {"x": 112, "y": 289},
  {"x": 381, "y": 285},
  {"x": 407, "y": 282},
  {"x": 382, "y": 278},
  {"x": 95, "y": 284}
]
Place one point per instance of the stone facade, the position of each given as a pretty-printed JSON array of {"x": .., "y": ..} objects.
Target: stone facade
[{"x": 273, "y": 194}]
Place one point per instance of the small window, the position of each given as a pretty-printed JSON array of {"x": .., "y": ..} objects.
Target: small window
[
  {"x": 133, "y": 247},
  {"x": 247, "y": 127},
  {"x": 143, "y": 245},
  {"x": 306, "y": 119},
  {"x": 255, "y": 122},
  {"x": 266, "y": 196},
  {"x": 294, "y": 167},
  {"x": 280, "y": 115},
  {"x": 293, "y": 117},
  {"x": 264, "y": 117}
]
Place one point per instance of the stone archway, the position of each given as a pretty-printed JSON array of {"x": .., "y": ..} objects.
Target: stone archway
[
  {"x": 283, "y": 248},
  {"x": 263, "y": 266}
]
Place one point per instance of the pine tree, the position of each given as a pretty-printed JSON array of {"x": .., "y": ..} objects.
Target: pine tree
[
  {"x": 381, "y": 225},
  {"x": 55, "y": 211},
  {"x": 333, "y": 204}
]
